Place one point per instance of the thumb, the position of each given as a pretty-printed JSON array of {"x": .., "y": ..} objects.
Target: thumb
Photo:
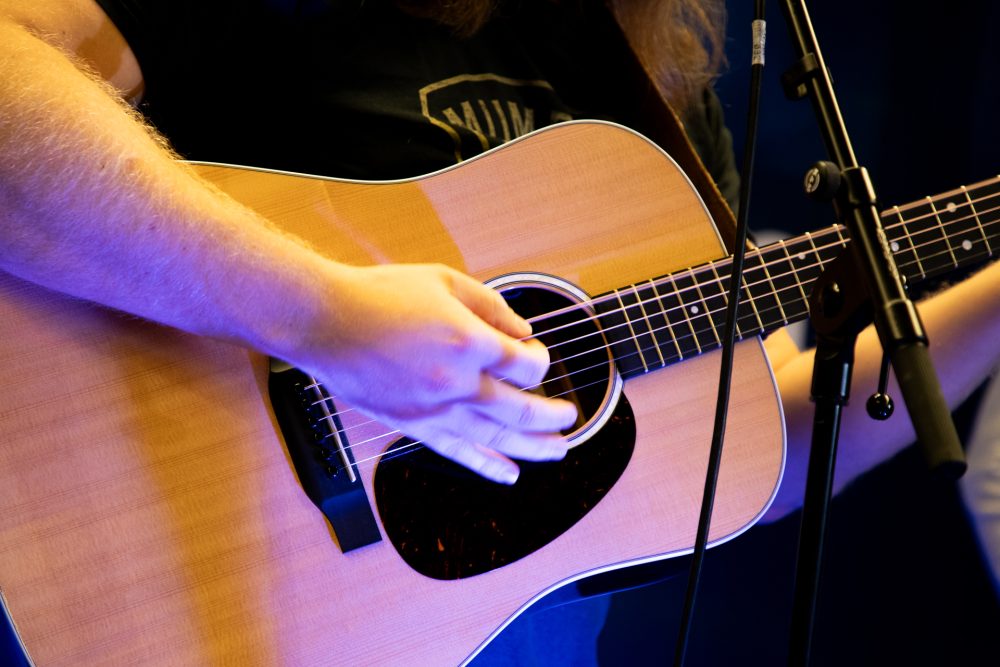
[{"x": 489, "y": 306}]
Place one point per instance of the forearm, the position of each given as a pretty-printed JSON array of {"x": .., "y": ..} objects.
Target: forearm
[
  {"x": 93, "y": 205},
  {"x": 963, "y": 324}
]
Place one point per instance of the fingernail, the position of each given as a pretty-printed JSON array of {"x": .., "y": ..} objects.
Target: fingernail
[
  {"x": 508, "y": 475},
  {"x": 523, "y": 326},
  {"x": 557, "y": 452},
  {"x": 570, "y": 414}
]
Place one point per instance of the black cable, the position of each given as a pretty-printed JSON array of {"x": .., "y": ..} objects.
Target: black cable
[{"x": 728, "y": 344}]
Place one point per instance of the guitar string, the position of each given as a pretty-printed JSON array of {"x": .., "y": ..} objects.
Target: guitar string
[
  {"x": 933, "y": 213},
  {"x": 409, "y": 447},
  {"x": 838, "y": 229},
  {"x": 400, "y": 451},
  {"x": 574, "y": 308},
  {"x": 710, "y": 314},
  {"x": 640, "y": 351},
  {"x": 721, "y": 281},
  {"x": 886, "y": 215},
  {"x": 700, "y": 317}
]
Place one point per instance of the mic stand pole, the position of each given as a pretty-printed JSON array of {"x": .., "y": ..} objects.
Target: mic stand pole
[
  {"x": 896, "y": 322},
  {"x": 839, "y": 312}
]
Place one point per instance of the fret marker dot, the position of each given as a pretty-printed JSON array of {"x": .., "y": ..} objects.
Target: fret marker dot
[
  {"x": 802, "y": 256},
  {"x": 966, "y": 245},
  {"x": 895, "y": 246},
  {"x": 951, "y": 207},
  {"x": 694, "y": 310}
]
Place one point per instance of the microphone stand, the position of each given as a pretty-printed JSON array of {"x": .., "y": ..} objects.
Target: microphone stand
[{"x": 861, "y": 285}]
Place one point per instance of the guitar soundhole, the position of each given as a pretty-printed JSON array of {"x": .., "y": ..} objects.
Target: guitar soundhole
[{"x": 448, "y": 523}]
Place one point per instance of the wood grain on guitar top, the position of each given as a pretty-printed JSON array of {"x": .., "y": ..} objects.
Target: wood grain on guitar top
[{"x": 150, "y": 513}]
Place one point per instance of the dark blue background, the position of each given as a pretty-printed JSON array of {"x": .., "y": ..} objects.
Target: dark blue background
[{"x": 903, "y": 583}]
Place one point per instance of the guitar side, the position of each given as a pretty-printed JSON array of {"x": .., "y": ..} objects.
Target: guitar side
[{"x": 152, "y": 515}]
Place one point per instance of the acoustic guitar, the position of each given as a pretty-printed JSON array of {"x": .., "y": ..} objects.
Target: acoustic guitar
[{"x": 172, "y": 500}]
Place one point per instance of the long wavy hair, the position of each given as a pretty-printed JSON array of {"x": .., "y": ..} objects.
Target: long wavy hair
[{"x": 678, "y": 41}]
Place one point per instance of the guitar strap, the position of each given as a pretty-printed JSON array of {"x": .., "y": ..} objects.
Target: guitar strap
[{"x": 660, "y": 122}]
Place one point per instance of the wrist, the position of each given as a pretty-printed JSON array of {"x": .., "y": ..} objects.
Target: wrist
[{"x": 289, "y": 313}]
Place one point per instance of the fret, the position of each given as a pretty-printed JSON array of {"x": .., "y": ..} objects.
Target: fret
[
  {"x": 901, "y": 244},
  {"x": 643, "y": 299},
  {"x": 724, "y": 286},
  {"x": 806, "y": 261},
  {"x": 933, "y": 251},
  {"x": 979, "y": 223},
  {"x": 936, "y": 214},
  {"x": 827, "y": 248},
  {"x": 965, "y": 235},
  {"x": 794, "y": 270},
  {"x": 842, "y": 241},
  {"x": 762, "y": 291},
  {"x": 636, "y": 326},
  {"x": 840, "y": 236},
  {"x": 695, "y": 310},
  {"x": 623, "y": 345},
  {"x": 715, "y": 306},
  {"x": 747, "y": 320},
  {"x": 670, "y": 309},
  {"x": 747, "y": 299},
  {"x": 677, "y": 314},
  {"x": 660, "y": 309},
  {"x": 985, "y": 199},
  {"x": 827, "y": 245},
  {"x": 789, "y": 290},
  {"x": 680, "y": 323}
]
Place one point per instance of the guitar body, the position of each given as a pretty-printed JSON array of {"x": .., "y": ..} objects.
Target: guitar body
[{"x": 150, "y": 512}]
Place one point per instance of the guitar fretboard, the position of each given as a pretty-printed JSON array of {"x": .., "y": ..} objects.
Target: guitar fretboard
[{"x": 673, "y": 317}]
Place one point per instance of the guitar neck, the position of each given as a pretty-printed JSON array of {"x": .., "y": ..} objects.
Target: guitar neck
[{"x": 671, "y": 318}]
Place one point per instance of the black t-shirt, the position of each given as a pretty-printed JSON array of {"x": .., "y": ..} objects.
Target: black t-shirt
[{"x": 360, "y": 89}]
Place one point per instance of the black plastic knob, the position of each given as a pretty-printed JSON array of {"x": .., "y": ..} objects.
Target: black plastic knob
[{"x": 880, "y": 406}]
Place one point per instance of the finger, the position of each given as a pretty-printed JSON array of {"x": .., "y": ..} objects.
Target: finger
[
  {"x": 521, "y": 410},
  {"x": 470, "y": 454},
  {"x": 465, "y": 424},
  {"x": 516, "y": 444},
  {"x": 521, "y": 363},
  {"x": 489, "y": 306}
]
